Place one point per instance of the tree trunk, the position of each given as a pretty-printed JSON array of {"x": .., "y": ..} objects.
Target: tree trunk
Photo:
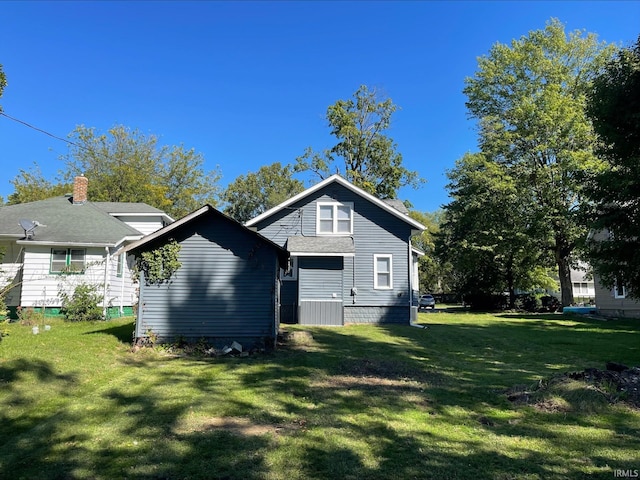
[
  {"x": 562, "y": 252},
  {"x": 511, "y": 286}
]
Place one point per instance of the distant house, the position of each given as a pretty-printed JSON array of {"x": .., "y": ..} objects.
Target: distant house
[
  {"x": 582, "y": 284},
  {"x": 56, "y": 244},
  {"x": 226, "y": 289},
  {"x": 613, "y": 302},
  {"x": 351, "y": 255}
]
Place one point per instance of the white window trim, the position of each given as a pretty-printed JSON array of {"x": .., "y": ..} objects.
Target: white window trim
[
  {"x": 335, "y": 206},
  {"x": 616, "y": 294},
  {"x": 293, "y": 270},
  {"x": 68, "y": 261},
  {"x": 377, "y": 256}
]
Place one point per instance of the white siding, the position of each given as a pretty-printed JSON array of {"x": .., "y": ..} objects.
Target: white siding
[
  {"x": 39, "y": 287},
  {"x": 121, "y": 291},
  {"x": 144, "y": 224}
]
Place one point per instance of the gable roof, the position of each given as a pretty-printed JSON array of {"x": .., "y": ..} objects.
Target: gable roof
[
  {"x": 282, "y": 253},
  {"x": 63, "y": 222},
  {"x": 341, "y": 181}
]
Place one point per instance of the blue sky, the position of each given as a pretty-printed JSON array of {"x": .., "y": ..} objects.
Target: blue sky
[{"x": 248, "y": 83}]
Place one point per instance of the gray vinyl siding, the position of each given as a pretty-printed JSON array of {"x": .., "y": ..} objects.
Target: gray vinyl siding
[
  {"x": 320, "y": 290},
  {"x": 377, "y": 315},
  {"x": 608, "y": 305},
  {"x": 320, "y": 278},
  {"x": 375, "y": 231},
  {"x": 224, "y": 290}
]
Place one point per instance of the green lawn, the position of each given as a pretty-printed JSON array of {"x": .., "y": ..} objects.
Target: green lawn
[{"x": 358, "y": 402}]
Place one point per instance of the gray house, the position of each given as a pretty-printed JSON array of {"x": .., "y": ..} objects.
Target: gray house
[
  {"x": 226, "y": 289},
  {"x": 351, "y": 256}
]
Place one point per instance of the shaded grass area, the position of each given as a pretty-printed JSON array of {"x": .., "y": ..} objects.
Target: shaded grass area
[{"x": 353, "y": 402}]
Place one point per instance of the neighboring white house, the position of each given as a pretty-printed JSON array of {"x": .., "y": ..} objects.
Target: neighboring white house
[
  {"x": 583, "y": 286},
  {"x": 53, "y": 245}
]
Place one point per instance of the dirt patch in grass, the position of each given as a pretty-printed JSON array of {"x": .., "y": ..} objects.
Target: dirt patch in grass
[
  {"x": 375, "y": 380},
  {"x": 584, "y": 391},
  {"x": 238, "y": 426},
  {"x": 388, "y": 371},
  {"x": 298, "y": 340}
]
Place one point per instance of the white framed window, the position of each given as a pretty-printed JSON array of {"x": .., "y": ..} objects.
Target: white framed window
[
  {"x": 581, "y": 288},
  {"x": 120, "y": 266},
  {"x": 382, "y": 271},
  {"x": 292, "y": 273},
  {"x": 619, "y": 290},
  {"x": 67, "y": 260},
  {"x": 334, "y": 218}
]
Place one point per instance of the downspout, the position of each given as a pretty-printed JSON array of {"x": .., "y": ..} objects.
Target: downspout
[
  {"x": 124, "y": 269},
  {"x": 106, "y": 277},
  {"x": 410, "y": 280}
]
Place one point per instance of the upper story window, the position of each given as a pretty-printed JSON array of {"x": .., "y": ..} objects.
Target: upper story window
[
  {"x": 67, "y": 260},
  {"x": 334, "y": 218}
]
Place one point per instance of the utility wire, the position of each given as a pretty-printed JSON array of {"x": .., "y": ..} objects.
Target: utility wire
[{"x": 42, "y": 131}]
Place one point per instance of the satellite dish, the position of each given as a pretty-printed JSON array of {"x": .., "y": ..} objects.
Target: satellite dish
[{"x": 29, "y": 227}]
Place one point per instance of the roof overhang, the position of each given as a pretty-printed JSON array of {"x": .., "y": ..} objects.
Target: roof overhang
[
  {"x": 164, "y": 216},
  {"x": 65, "y": 244},
  {"x": 324, "y": 246}
]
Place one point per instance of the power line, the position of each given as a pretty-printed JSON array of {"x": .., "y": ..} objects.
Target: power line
[{"x": 41, "y": 130}]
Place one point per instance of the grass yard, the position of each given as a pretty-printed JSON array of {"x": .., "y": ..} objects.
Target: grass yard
[{"x": 358, "y": 402}]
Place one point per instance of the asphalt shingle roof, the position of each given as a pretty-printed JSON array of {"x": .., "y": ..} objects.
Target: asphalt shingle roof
[
  {"x": 63, "y": 222},
  {"x": 320, "y": 245}
]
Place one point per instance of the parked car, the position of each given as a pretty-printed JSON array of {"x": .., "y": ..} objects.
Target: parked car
[{"x": 427, "y": 301}]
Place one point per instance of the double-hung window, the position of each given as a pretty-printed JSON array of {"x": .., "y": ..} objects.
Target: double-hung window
[
  {"x": 382, "y": 272},
  {"x": 334, "y": 218},
  {"x": 67, "y": 260}
]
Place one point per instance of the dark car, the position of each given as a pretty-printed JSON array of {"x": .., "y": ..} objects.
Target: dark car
[{"x": 426, "y": 301}]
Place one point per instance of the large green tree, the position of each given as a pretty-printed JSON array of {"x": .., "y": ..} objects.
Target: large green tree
[
  {"x": 369, "y": 157},
  {"x": 248, "y": 196},
  {"x": 615, "y": 110},
  {"x": 435, "y": 274},
  {"x": 529, "y": 99},
  {"x": 30, "y": 185},
  {"x": 126, "y": 165},
  {"x": 490, "y": 231}
]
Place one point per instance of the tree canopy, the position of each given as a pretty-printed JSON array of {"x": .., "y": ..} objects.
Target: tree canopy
[
  {"x": 3, "y": 82},
  {"x": 615, "y": 110},
  {"x": 30, "y": 185},
  {"x": 370, "y": 158},
  {"x": 530, "y": 100},
  {"x": 125, "y": 165},
  {"x": 489, "y": 232},
  {"x": 248, "y": 196}
]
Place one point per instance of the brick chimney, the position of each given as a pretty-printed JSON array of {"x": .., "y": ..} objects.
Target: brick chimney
[{"x": 80, "y": 184}]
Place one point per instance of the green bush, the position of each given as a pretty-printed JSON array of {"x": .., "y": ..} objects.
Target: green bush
[{"x": 82, "y": 305}]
